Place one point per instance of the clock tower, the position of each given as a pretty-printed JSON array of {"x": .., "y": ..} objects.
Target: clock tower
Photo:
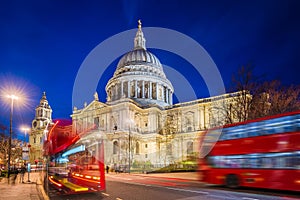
[{"x": 40, "y": 124}]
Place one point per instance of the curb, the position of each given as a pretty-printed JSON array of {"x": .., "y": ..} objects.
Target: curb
[{"x": 41, "y": 189}]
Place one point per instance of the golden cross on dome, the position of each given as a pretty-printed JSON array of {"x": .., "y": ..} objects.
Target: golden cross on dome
[{"x": 140, "y": 24}]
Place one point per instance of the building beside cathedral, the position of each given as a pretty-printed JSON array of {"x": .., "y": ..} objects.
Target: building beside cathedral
[
  {"x": 39, "y": 128},
  {"x": 139, "y": 122}
]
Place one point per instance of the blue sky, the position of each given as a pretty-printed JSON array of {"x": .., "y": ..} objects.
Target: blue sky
[{"x": 43, "y": 43}]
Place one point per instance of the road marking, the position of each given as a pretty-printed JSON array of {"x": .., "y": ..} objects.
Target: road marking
[
  {"x": 247, "y": 198},
  {"x": 105, "y": 194},
  {"x": 185, "y": 190},
  {"x": 122, "y": 178}
]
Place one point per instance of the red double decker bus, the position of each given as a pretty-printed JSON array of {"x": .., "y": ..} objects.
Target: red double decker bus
[
  {"x": 262, "y": 153},
  {"x": 75, "y": 161}
]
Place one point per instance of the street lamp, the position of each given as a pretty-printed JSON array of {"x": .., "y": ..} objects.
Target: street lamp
[
  {"x": 12, "y": 98},
  {"x": 26, "y": 129}
]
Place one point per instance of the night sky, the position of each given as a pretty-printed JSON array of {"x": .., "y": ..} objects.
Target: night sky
[{"x": 43, "y": 43}]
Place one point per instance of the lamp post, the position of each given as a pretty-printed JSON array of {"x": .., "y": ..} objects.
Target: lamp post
[
  {"x": 12, "y": 98},
  {"x": 26, "y": 129}
]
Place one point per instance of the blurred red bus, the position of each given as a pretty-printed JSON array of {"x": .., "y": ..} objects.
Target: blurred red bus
[
  {"x": 75, "y": 161},
  {"x": 262, "y": 153}
]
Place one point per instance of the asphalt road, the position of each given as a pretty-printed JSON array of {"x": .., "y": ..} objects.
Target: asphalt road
[{"x": 133, "y": 187}]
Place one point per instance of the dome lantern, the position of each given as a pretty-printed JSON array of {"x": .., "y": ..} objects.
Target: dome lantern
[{"x": 139, "y": 40}]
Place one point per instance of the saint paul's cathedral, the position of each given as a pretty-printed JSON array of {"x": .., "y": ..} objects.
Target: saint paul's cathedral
[{"x": 139, "y": 123}]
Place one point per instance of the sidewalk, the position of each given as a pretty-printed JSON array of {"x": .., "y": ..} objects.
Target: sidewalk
[{"x": 22, "y": 191}]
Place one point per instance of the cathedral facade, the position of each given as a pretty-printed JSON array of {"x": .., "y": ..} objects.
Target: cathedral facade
[{"x": 139, "y": 123}]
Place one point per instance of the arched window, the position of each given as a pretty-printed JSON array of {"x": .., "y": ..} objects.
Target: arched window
[
  {"x": 115, "y": 147},
  {"x": 137, "y": 148},
  {"x": 190, "y": 148}
]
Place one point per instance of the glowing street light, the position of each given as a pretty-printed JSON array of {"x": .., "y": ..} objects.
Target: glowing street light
[
  {"x": 25, "y": 129},
  {"x": 12, "y": 97},
  {"x": 12, "y": 90}
]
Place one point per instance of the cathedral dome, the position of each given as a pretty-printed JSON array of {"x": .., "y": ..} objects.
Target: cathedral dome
[
  {"x": 140, "y": 60},
  {"x": 139, "y": 56},
  {"x": 139, "y": 75}
]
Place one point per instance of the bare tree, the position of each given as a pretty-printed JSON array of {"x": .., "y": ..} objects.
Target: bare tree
[
  {"x": 252, "y": 98},
  {"x": 236, "y": 106},
  {"x": 16, "y": 150},
  {"x": 166, "y": 136},
  {"x": 4, "y": 148},
  {"x": 280, "y": 98}
]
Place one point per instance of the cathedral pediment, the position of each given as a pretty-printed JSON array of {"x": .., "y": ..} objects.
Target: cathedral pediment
[{"x": 94, "y": 105}]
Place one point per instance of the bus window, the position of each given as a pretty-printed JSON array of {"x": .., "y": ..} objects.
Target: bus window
[
  {"x": 246, "y": 162},
  {"x": 253, "y": 161},
  {"x": 297, "y": 122},
  {"x": 287, "y": 124},
  {"x": 289, "y": 162},
  {"x": 231, "y": 132},
  {"x": 296, "y": 159},
  {"x": 239, "y": 163},
  {"x": 241, "y": 131},
  {"x": 259, "y": 162},
  {"x": 263, "y": 130},
  {"x": 280, "y": 162},
  {"x": 253, "y": 129},
  {"x": 222, "y": 162},
  {"x": 266, "y": 162},
  {"x": 269, "y": 127}
]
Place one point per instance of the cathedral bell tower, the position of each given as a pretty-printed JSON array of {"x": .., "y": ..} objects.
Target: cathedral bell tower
[{"x": 40, "y": 124}]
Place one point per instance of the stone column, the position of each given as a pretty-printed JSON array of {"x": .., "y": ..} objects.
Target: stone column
[
  {"x": 112, "y": 92},
  {"x": 143, "y": 89},
  {"x": 202, "y": 118},
  {"x": 163, "y": 93},
  {"x": 157, "y": 91},
  {"x": 150, "y": 90},
  {"x": 116, "y": 92},
  {"x": 167, "y": 95},
  {"x": 122, "y": 90},
  {"x": 206, "y": 117},
  {"x": 128, "y": 89},
  {"x": 135, "y": 88}
]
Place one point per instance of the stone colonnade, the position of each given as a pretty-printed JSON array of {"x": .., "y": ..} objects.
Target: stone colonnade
[{"x": 139, "y": 89}]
